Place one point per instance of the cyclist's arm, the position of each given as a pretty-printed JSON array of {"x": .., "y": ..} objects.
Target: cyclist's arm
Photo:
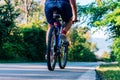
[{"x": 74, "y": 9}]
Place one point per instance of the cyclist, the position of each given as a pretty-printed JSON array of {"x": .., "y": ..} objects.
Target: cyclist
[{"x": 68, "y": 12}]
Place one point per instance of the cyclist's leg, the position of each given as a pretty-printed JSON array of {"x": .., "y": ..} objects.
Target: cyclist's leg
[
  {"x": 67, "y": 27},
  {"x": 49, "y": 25},
  {"x": 49, "y": 5},
  {"x": 66, "y": 13},
  {"x": 65, "y": 30}
]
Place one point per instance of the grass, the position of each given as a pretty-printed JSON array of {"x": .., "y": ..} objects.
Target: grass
[{"x": 109, "y": 71}]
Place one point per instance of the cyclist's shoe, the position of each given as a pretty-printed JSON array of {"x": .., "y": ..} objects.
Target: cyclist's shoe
[{"x": 64, "y": 38}]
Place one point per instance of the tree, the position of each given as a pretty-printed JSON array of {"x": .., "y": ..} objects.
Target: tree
[
  {"x": 23, "y": 43},
  {"x": 105, "y": 13},
  {"x": 80, "y": 47},
  {"x": 99, "y": 2},
  {"x": 8, "y": 27},
  {"x": 106, "y": 56},
  {"x": 115, "y": 53},
  {"x": 30, "y": 10},
  {"x": 7, "y": 23}
]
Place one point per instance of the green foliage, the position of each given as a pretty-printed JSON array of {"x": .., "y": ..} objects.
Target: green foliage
[
  {"x": 91, "y": 13},
  {"x": 17, "y": 43},
  {"x": 105, "y": 15},
  {"x": 79, "y": 49},
  {"x": 106, "y": 57},
  {"x": 28, "y": 44},
  {"x": 11, "y": 52},
  {"x": 108, "y": 14},
  {"x": 34, "y": 40},
  {"x": 109, "y": 71},
  {"x": 7, "y": 16},
  {"x": 115, "y": 55}
]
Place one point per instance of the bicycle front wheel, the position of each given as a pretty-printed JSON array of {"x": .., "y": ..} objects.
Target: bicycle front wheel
[
  {"x": 62, "y": 58},
  {"x": 51, "y": 57}
]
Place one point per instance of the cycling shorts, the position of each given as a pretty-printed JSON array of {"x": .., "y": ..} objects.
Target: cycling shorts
[{"x": 62, "y": 6}]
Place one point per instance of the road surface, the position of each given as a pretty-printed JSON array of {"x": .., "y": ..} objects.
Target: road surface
[{"x": 39, "y": 71}]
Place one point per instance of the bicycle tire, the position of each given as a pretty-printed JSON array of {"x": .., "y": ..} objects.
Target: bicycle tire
[
  {"x": 51, "y": 65},
  {"x": 62, "y": 58}
]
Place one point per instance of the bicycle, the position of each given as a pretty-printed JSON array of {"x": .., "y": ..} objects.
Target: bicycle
[{"x": 56, "y": 48}]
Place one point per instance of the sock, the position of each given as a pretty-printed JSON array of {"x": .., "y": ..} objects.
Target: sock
[{"x": 64, "y": 32}]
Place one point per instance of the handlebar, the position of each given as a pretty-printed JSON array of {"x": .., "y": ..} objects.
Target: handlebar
[{"x": 76, "y": 21}]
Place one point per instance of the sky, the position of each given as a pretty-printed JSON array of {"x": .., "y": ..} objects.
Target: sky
[{"x": 99, "y": 37}]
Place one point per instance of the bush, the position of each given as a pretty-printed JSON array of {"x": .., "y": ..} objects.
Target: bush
[
  {"x": 27, "y": 45},
  {"x": 16, "y": 43},
  {"x": 80, "y": 48},
  {"x": 11, "y": 52},
  {"x": 34, "y": 40},
  {"x": 108, "y": 71}
]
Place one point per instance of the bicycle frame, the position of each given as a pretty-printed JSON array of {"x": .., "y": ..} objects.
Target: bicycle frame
[
  {"x": 58, "y": 29},
  {"x": 56, "y": 48}
]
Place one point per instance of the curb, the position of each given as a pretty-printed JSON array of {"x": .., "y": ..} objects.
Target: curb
[
  {"x": 98, "y": 77},
  {"x": 89, "y": 75}
]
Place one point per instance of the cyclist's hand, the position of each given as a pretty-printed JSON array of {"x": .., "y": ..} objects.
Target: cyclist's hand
[{"x": 74, "y": 19}]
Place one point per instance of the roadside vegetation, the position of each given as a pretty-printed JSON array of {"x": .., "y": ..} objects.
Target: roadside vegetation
[
  {"x": 23, "y": 29},
  {"x": 21, "y": 41},
  {"x": 105, "y": 14},
  {"x": 109, "y": 71}
]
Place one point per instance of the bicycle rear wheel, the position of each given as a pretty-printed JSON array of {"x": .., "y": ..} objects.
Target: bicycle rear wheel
[
  {"x": 51, "y": 57},
  {"x": 62, "y": 58}
]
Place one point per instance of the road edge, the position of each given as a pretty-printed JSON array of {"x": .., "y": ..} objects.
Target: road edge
[{"x": 91, "y": 74}]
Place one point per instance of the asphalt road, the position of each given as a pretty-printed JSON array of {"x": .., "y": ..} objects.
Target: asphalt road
[{"x": 39, "y": 71}]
